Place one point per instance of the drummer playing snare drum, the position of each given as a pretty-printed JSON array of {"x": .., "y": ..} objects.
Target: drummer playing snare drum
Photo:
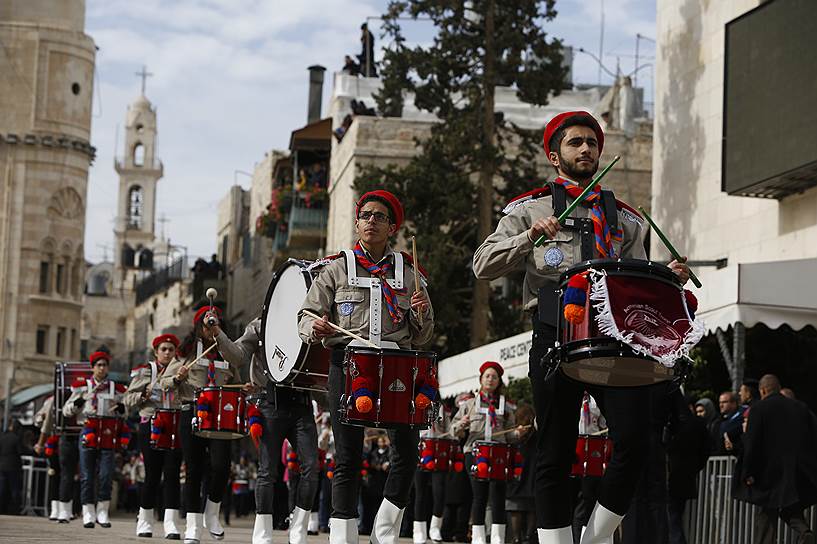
[
  {"x": 406, "y": 319},
  {"x": 573, "y": 142}
]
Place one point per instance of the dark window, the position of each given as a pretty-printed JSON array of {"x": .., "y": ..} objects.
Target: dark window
[
  {"x": 146, "y": 259},
  {"x": 60, "y": 341},
  {"x": 60, "y": 279},
  {"x": 72, "y": 348},
  {"x": 45, "y": 275},
  {"x": 75, "y": 88},
  {"x": 42, "y": 339},
  {"x": 128, "y": 256},
  {"x": 135, "y": 207},
  {"x": 139, "y": 155}
]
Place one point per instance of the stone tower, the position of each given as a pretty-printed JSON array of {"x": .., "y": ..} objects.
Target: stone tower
[
  {"x": 139, "y": 171},
  {"x": 46, "y": 85}
]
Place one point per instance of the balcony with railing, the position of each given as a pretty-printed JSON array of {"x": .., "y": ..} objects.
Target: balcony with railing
[{"x": 161, "y": 280}]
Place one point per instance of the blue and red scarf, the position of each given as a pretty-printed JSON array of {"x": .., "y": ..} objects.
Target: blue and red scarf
[
  {"x": 491, "y": 401},
  {"x": 381, "y": 271},
  {"x": 605, "y": 236}
]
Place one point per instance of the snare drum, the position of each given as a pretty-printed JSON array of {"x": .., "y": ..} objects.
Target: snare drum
[
  {"x": 395, "y": 375},
  {"x": 438, "y": 454},
  {"x": 290, "y": 361},
  {"x": 495, "y": 461},
  {"x": 102, "y": 432},
  {"x": 220, "y": 413},
  {"x": 64, "y": 375},
  {"x": 593, "y": 454},
  {"x": 164, "y": 429},
  {"x": 647, "y": 300}
]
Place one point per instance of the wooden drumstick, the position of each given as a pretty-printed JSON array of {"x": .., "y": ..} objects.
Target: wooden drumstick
[
  {"x": 196, "y": 360},
  {"x": 342, "y": 330},
  {"x": 416, "y": 276},
  {"x": 506, "y": 431}
]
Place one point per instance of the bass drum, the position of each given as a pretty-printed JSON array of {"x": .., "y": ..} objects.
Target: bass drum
[
  {"x": 290, "y": 361},
  {"x": 64, "y": 375}
]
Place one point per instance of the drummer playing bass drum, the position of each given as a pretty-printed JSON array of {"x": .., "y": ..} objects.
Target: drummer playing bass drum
[
  {"x": 406, "y": 319},
  {"x": 600, "y": 228},
  {"x": 286, "y": 414}
]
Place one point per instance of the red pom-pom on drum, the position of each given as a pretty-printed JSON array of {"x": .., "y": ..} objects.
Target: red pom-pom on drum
[{"x": 575, "y": 298}]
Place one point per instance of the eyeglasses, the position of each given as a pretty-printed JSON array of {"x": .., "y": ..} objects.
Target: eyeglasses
[
  {"x": 101, "y": 364},
  {"x": 379, "y": 217}
]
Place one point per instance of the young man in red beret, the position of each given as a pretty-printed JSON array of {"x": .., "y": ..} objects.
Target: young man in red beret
[
  {"x": 95, "y": 396},
  {"x": 343, "y": 294},
  {"x": 146, "y": 395},
  {"x": 602, "y": 228}
]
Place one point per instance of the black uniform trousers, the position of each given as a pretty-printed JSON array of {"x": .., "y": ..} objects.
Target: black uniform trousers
[
  {"x": 54, "y": 476},
  {"x": 557, "y": 401},
  {"x": 287, "y": 414},
  {"x": 421, "y": 481},
  {"x": 159, "y": 464},
  {"x": 200, "y": 454},
  {"x": 69, "y": 457},
  {"x": 481, "y": 490},
  {"x": 349, "y": 454}
]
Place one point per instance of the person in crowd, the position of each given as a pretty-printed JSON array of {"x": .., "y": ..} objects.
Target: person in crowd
[
  {"x": 458, "y": 495},
  {"x": 593, "y": 423},
  {"x": 748, "y": 392},
  {"x": 730, "y": 422},
  {"x": 366, "y": 57},
  {"x": 519, "y": 500},
  {"x": 687, "y": 453},
  {"x": 11, "y": 470},
  {"x": 377, "y": 473},
  {"x": 350, "y": 67},
  {"x": 705, "y": 409},
  {"x": 778, "y": 472},
  {"x": 788, "y": 393},
  {"x": 46, "y": 444}
]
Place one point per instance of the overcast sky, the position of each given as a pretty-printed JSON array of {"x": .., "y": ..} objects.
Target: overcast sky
[{"x": 230, "y": 82}]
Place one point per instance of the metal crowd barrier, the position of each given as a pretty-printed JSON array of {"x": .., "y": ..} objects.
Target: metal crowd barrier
[
  {"x": 35, "y": 486},
  {"x": 716, "y": 518}
]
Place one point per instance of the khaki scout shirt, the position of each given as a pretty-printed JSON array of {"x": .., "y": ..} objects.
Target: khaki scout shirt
[
  {"x": 88, "y": 389},
  {"x": 246, "y": 349},
  {"x": 44, "y": 418},
  {"x": 477, "y": 416},
  {"x": 141, "y": 379},
  {"x": 197, "y": 377},
  {"x": 331, "y": 291},
  {"x": 509, "y": 249}
]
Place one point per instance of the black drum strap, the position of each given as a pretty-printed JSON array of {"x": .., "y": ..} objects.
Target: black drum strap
[
  {"x": 608, "y": 203},
  {"x": 558, "y": 196}
]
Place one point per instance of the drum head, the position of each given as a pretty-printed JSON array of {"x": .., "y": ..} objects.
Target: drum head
[{"x": 283, "y": 347}]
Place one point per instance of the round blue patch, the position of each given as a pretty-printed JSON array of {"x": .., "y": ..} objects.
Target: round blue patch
[
  {"x": 554, "y": 257},
  {"x": 346, "y": 308}
]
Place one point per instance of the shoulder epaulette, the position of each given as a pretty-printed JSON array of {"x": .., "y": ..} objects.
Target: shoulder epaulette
[
  {"x": 629, "y": 212},
  {"x": 324, "y": 261},
  {"x": 79, "y": 383},
  {"x": 533, "y": 194},
  {"x": 135, "y": 371},
  {"x": 410, "y": 260},
  {"x": 119, "y": 388}
]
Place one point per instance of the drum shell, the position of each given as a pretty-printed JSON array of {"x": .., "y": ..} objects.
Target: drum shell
[
  {"x": 444, "y": 451},
  {"x": 589, "y": 356},
  {"x": 593, "y": 454},
  {"x": 107, "y": 430},
  {"x": 396, "y": 388},
  {"x": 501, "y": 460},
  {"x": 169, "y": 421},
  {"x": 227, "y": 417},
  {"x": 64, "y": 375}
]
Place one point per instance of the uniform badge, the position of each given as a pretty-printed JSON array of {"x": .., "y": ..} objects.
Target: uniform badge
[
  {"x": 554, "y": 257},
  {"x": 346, "y": 308}
]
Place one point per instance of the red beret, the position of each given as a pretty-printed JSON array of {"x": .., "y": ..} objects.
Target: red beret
[
  {"x": 162, "y": 338},
  {"x": 394, "y": 204},
  {"x": 97, "y": 355},
  {"x": 491, "y": 364},
  {"x": 203, "y": 310},
  {"x": 557, "y": 122}
]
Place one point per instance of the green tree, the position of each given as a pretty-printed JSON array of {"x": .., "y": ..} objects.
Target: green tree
[{"x": 473, "y": 159}]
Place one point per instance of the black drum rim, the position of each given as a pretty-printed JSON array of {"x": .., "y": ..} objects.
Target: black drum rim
[{"x": 626, "y": 267}]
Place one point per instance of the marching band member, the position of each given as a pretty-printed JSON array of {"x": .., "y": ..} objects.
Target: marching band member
[
  {"x": 438, "y": 429},
  {"x": 95, "y": 396},
  {"x": 286, "y": 414},
  {"x": 199, "y": 452},
  {"x": 573, "y": 142},
  {"x": 487, "y": 417},
  {"x": 342, "y": 293},
  {"x": 44, "y": 419},
  {"x": 145, "y": 393}
]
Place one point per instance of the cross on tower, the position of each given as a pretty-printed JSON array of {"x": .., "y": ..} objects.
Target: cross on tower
[
  {"x": 144, "y": 74},
  {"x": 163, "y": 219}
]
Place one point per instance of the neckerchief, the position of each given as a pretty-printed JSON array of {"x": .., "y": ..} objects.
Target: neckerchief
[
  {"x": 95, "y": 390},
  {"x": 381, "y": 271},
  {"x": 604, "y": 235},
  {"x": 491, "y": 401}
]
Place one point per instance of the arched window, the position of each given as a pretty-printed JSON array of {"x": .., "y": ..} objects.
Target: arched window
[
  {"x": 139, "y": 155},
  {"x": 128, "y": 256},
  {"x": 135, "y": 207},
  {"x": 99, "y": 283},
  {"x": 146, "y": 259}
]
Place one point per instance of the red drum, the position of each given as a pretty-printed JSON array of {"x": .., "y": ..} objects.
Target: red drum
[
  {"x": 647, "y": 300},
  {"x": 290, "y": 361},
  {"x": 593, "y": 454},
  {"x": 495, "y": 461},
  {"x": 396, "y": 376},
  {"x": 102, "y": 432},
  {"x": 220, "y": 413},
  {"x": 164, "y": 429},
  {"x": 241, "y": 487},
  {"x": 438, "y": 454},
  {"x": 64, "y": 376}
]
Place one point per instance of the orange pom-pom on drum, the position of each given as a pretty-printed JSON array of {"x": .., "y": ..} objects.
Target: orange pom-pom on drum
[
  {"x": 364, "y": 404},
  {"x": 574, "y": 313}
]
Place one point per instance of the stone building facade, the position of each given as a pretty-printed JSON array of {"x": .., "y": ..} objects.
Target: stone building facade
[{"x": 45, "y": 127}]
